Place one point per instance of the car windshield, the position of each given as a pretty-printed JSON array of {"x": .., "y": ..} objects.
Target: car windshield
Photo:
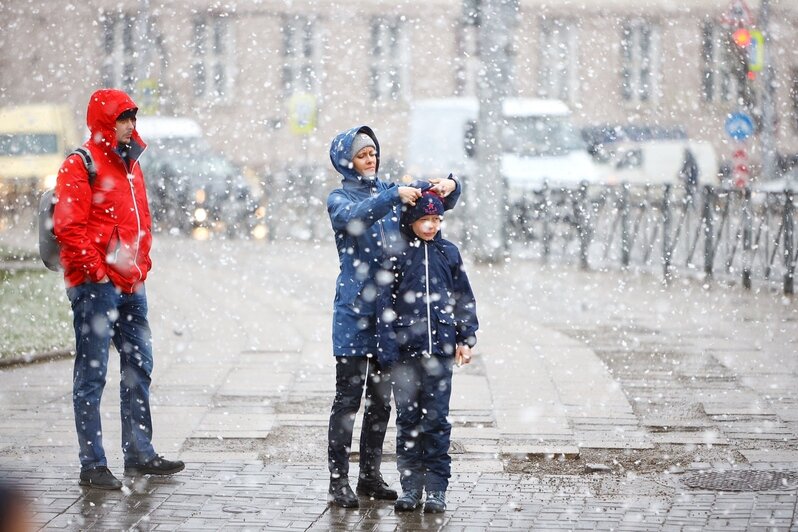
[
  {"x": 190, "y": 157},
  {"x": 202, "y": 165},
  {"x": 185, "y": 146},
  {"x": 531, "y": 136},
  {"x": 14, "y": 144}
]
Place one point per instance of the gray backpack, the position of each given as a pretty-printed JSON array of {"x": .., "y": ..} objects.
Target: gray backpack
[{"x": 49, "y": 249}]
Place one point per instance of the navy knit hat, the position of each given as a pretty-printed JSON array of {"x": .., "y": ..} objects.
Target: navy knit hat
[{"x": 428, "y": 204}]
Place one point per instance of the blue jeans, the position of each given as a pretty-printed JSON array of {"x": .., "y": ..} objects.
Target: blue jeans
[
  {"x": 101, "y": 314},
  {"x": 422, "y": 387}
]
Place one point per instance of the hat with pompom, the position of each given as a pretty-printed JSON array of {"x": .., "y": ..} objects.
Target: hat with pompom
[{"x": 428, "y": 204}]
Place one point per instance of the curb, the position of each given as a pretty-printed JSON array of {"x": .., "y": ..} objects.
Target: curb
[
  {"x": 35, "y": 358},
  {"x": 21, "y": 265}
]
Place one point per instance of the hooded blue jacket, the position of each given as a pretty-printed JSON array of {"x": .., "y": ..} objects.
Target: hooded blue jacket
[
  {"x": 429, "y": 306},
  {"x": 364, "y": 214}
]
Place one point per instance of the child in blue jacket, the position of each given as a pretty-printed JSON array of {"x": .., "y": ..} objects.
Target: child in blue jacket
[{"x": 428, "y": 323}]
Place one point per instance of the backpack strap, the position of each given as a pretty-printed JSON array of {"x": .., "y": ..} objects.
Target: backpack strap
[{"x": 88, "y": 162}]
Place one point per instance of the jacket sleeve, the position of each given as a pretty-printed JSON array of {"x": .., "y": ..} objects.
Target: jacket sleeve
[
  {"x": 70, "y": 220},
  {"x": 387, "y": 347},
  {"x": 451, "y": 200},
  {"x": 465, "y": 306},
  {"x": 343, "y": 210}
]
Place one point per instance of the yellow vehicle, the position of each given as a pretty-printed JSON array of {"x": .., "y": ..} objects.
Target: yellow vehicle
[{"x": 34, "y": 139}]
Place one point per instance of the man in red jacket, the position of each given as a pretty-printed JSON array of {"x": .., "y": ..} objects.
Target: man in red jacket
[{"x": 103, "y": 227}]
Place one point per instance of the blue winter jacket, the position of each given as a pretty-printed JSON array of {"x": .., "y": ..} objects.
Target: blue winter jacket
[
  {"x": 429, "y": 307},
  {"x": 364, "y": 214}
]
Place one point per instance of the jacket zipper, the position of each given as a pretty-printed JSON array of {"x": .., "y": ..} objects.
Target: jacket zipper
[
  {"x": 429, "y": 309},
  {"x": 130, "y": 177},
  {"x": 379, "y": 222}
]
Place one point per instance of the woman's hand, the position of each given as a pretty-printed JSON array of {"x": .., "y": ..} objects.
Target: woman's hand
[
  {"x": 462, "y": 355},
  {"x": 443, "y": 187},
  {"x": 409, "y": 195}
]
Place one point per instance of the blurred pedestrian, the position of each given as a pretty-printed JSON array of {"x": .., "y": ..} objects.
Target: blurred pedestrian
[
  {"x": 725, "y": 174},
  {"x": 104, "y": 229},
  {"x": 364, "y": 213},
  {"x": 688, "y": 174},
  {"x": 428, "y": 322},
  {"x": 15, "y": 512}
]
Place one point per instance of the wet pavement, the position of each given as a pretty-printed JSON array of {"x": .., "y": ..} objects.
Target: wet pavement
[{"x": 595, "y": 401}]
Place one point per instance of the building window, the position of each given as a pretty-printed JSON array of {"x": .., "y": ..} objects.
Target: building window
[
  {"x": 119, "y": 64},
  {"x": 640, "y": 46},
  {"x": 213, "y": 57},
  {"x": 389, "y": 61},
  {"x": 558, "y": 54},
  {"x": 719, "y": 81},
  {"x": 300, "y": 55}
]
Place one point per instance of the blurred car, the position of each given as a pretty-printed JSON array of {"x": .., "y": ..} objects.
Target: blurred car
[
  {"x": 193, "y": 189},
  {"x": 781, "y": 184},
  {"x": 33, "y": 142}
]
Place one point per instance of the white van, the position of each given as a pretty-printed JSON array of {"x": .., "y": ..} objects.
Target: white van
[
  {"x": 539, "y": 142},
  {"x": 657, "y": 162}
]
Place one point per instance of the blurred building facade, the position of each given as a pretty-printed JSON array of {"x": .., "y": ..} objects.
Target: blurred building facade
[{"x": 235, "y": 66}]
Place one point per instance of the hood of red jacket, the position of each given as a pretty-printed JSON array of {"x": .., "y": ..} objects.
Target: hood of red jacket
[{"x": 105, "y": 105}]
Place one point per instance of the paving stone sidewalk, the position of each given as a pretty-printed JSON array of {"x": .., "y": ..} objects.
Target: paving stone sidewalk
[{"x": 656, "y": 383}]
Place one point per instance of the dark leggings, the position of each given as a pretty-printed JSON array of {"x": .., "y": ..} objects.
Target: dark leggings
[{"x": 350, "y": 376}]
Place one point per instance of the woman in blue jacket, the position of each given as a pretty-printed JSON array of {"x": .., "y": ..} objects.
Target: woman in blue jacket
[{"x": 364, "y": 213}]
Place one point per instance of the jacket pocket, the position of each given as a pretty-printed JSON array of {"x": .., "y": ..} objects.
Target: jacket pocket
[
  {"x": 446, "y": 318},
  {"x": 113, "y": 247},
  {"x": 411, "y": 333},
  {"x": 444, "y": 332}
]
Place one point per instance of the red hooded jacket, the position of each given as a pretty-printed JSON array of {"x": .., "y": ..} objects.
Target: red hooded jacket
[{"x": 104, "y": 229}]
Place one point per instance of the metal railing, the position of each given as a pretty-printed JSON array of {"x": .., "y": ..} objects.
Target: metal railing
[{"x": 711, "y": 232}]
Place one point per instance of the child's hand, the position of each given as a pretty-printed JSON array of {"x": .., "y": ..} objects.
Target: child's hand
[
  {"x": 409, "y": 195},
  {"x": 443, "y": 187},
  {"x": 462, "y": 355}
]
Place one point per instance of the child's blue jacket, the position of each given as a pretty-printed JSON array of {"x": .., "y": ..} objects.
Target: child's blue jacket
[{"x": 429, "y": 307}]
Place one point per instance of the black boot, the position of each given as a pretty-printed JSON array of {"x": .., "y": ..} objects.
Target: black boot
[
  {"x": 340, "y": 494},
  {"x": 157, "y": 466},
  {"x": 101, "y": 478},
  {"x": 376, "y": 488}
]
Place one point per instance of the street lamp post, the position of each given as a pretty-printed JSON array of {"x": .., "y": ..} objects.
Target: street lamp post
[
  {"x": 143, "y": 34},
  {"x": 768, "y": 137},
  {"x": 487, "y": 195}
]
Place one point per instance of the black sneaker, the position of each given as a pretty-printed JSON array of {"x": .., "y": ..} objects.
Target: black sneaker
[
  {"x": 157, "y": 466},
  {"x": 409, "y": 501},
  {"x": 435, "y": 503},
  {"x": 100, "y": 478},
  {"x": 376, "y": 488},
  {"x": 340, "y": 494}
]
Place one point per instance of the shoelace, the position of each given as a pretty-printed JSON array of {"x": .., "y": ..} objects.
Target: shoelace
[{"x": 436, "y": 496}]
